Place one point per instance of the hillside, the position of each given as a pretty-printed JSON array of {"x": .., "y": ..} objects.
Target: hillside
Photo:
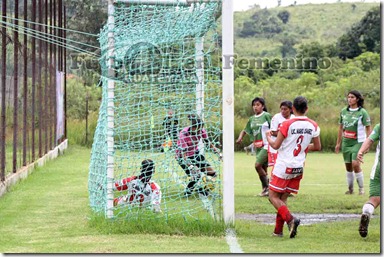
[{"x": 322, "y": 23}]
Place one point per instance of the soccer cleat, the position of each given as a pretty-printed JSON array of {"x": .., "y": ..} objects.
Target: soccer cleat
[
  {"x": 364, "y": 222},
  {"x": 277, "y": 234},
  {"x": 349, "y": 192},
  {"x": 293, "y": 227},
  {"x": 361, "y": 191},
  {"x": 265, "y": 192}
]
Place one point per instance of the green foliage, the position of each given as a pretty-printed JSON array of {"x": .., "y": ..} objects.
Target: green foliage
[
  {"x": 363, "y": 36},
  {"x": 262, "y": 23},
  {"x": 76, "y": 130},
  {"x": 322, "y": 23},
  {"x": 368, "y": 61},
  {"x": 81, "y": 16},
  {"x": 77, "y": 95},
  {"x": 283, "y": 16}
]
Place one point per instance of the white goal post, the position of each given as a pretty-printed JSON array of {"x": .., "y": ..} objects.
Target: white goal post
[{"x": 228, "y": 113}]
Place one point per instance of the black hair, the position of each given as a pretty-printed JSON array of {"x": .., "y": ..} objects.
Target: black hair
[
  {"x": 286, "y": 103},
  {"x": 359, "y": 96},
  {"x": 260, "y": 100},
  {"x": 147, "y": 167},
  {"x": 196, "y": 121},
  {"x": 301, "y": 104}
]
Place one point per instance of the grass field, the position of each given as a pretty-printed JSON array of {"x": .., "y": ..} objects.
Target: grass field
[{"x": 48, "y": 213}]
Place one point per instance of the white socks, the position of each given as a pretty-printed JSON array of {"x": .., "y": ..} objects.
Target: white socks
[
  {"x": 350, "y": 179},
  {"x": 368, "y": 209},
  {"x": 360, "y": 179}
]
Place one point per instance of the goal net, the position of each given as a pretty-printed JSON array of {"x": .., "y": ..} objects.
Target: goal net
[{"x": 161, "y": 80}]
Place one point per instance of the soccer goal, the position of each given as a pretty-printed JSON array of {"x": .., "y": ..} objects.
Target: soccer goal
[{"x": 161, "y": 71}]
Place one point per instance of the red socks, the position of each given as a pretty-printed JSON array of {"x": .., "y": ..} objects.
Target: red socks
[
  {"x": 279, "y": 224},
  {"x": 284, "y": 213}
]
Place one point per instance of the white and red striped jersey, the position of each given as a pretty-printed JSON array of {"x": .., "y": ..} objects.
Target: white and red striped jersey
[
  {"x": 298, "y": 133},
  {"x": 137, "y": 192}
]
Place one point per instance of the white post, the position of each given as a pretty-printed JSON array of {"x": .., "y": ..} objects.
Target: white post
[
  {"x": 199, "y": 61},
  {"x": 110, "y": 109},
  {"x": 228, "y": 113}
]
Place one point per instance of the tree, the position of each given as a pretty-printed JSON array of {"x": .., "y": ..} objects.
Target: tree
[
  {"x": 81, "y": 16},
  {"x": 287, "y": 42},
  {"x": 262, "y": 23},
  {"x": 284, "y": 16},
  {"x": 363, "y": 36}
]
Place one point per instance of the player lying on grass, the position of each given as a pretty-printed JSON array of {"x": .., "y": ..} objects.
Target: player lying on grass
[{"x": 140, "y": 190}]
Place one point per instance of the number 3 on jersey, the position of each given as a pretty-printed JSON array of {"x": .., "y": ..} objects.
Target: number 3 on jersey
[{"x": 297, "y": 150}]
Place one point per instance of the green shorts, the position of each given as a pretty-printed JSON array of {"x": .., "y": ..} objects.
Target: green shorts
[
  {"x": 374, "y": 187},
  {"x": 374, "y": 182},
  {"x": 262, "y": 156},
  {"x": 350, "y": 152}
]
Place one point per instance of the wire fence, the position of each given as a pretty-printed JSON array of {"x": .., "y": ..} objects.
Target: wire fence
[{"x": 33, "y": 82}]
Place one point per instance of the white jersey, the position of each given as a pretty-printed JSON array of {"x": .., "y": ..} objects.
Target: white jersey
[
  {"x": 138, "y": 193},
  {"x": 298, "y": 133},
  {"x": 276, "y": 121}
]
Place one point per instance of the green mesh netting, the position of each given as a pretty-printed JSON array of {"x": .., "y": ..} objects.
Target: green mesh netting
[{"x": 159, "y": 70}]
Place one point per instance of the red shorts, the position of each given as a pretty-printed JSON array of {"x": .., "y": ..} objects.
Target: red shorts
[{"x": 281, "y": 185}]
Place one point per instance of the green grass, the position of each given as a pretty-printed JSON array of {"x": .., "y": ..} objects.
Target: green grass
[{"x": 48, "y": 213}]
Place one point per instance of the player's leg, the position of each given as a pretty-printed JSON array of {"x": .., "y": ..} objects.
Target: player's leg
[
  {"x": 347, "y": 156},
  {"x": 278, "y": 198},
  {"x": 261, "y": 168},
  {"x": 155, "y": 197},
  {"x": 206, "y": 168},
  {"x": 356, "y": 166},
  {"x": 184, "y": 165},
  {"x": 373, "y": 202}
]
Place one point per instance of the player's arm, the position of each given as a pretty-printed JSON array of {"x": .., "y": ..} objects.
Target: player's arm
[
  {"x": 274, "y": 126},
  {"x": 339, "y": 136},
  {"x": 315, "y": 145},
  {"x": 275, "y": 144},
  {"x": 213, "y": 147},
  {"x": 368, "y": 130},
  {"x": 241, "y": 135},
  {"x": 364, "y": 149}
]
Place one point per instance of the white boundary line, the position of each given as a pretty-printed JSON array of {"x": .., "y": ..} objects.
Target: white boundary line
[{"x": 230, "y": 236}]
